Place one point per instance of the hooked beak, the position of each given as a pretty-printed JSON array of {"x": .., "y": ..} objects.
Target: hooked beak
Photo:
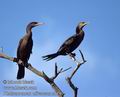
[
  {"x": 40, "y": 23},
  {"x": 85, "y": 24}
]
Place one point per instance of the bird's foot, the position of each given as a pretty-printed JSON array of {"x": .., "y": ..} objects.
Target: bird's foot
[
  {"x": 72, "y": 55},
  {"x": 27, "y": 65}
]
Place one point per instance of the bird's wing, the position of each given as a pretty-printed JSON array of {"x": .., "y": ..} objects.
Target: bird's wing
[
  {"x": 18, "y": 49},
  {"x": 29, "y": 48},
  {"x": 31, "y": 45},
  {"x": 67, "y": 43},
  {"x": 69, "y": 40}
]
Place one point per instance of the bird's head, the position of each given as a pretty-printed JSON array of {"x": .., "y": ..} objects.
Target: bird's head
[
  {"x": 80, "y": 26},
  {"x": 34, "y": 24}
]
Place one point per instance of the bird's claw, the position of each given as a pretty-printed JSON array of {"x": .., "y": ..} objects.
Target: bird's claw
[
  {"x": 72, "y": 55},
  {"x": 27, "y": 65}
]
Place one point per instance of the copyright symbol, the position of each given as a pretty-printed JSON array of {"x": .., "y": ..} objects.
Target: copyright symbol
[{"x": 4, "y": 81}]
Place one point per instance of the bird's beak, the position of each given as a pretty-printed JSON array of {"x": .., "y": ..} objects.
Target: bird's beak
[
  {"x": 85, "y": 24},
  {"x": 40, "y": 23}
]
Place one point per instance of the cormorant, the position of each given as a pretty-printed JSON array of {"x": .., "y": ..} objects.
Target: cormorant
[
  {"x": 25, "y": 48},
  {"x": 70, "y": 44}
]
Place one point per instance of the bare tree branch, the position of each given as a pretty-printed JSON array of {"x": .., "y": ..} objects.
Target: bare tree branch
[
  {"x": 66, "y": 69},
  {"x": 57, "y": 72},
  {"x": 78, "y": 64},
  {"x": 39, "y": 73},
  {"x": 6, "y": 57},
  {"x": 74, "y": 88}
]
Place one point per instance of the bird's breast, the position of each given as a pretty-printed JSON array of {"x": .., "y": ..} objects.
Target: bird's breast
[{"x": 25, "y": 50}]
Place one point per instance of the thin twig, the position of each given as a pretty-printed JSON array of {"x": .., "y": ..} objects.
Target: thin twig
[
  {"x": 66, "y": 69},
  {"x": 57, "y": 72},
  {"x": 82, "y": 56}
]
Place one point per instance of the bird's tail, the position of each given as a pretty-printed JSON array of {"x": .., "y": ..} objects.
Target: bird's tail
[
  {"x": 50, "y": 57},
  {"x": 21, "y": 72}
]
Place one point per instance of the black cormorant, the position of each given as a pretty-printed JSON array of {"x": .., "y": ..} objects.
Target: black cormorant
[
  {"x": 25, "y": 48},
  {"x": 70, "y": 44}
]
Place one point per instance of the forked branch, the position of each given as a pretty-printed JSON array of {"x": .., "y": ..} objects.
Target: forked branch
[
  {"x": 74, "y": 88},
  {"x": 57, "y": 72}
]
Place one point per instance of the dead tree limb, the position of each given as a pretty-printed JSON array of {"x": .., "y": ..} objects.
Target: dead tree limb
[
  {"x": 57, "y": 72},
  {"x": 39, "y": 73},
  {"x": 74, "y": 88}
]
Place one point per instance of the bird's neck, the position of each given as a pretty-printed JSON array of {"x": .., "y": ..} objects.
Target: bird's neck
[
  {"x": 29, "y": 31},
  {"x": 79, "y": 30}
]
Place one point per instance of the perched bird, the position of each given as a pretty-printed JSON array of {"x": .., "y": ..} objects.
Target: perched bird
[
  {"x": 25, "y": 48},
  {"x": 70, "y": 44}
]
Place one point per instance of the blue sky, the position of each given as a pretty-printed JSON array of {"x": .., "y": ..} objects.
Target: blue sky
[{"x": 99, "y": 76}]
